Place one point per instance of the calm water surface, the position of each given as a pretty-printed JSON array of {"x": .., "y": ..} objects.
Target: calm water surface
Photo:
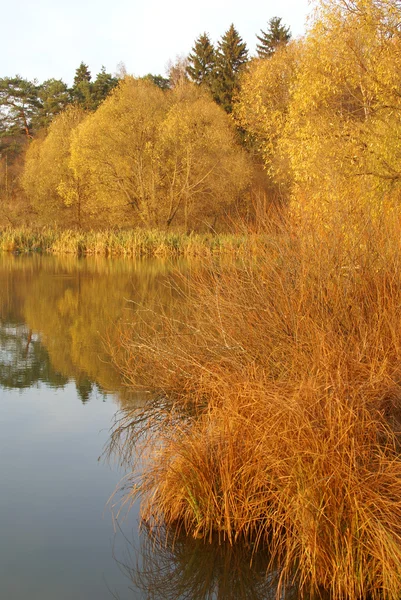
[{"x": 58, "y": 398}]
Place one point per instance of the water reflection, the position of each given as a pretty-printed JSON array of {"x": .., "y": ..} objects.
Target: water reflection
[
  {"x": 169, "y": 566},
  {"x": 55, "y": 313},
  {"x": 24, "y": 361}
]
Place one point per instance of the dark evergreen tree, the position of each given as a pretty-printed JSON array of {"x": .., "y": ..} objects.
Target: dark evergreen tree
[
  {"x": 231, "y": 57},
  {"x": 202, "y": 61},
  {"x": 82, "y": 74},
  {"x": 102, "y": 86},
  {"x": 19, "y": 105},
  {"x": 275, "y": 36},
  {"x": 55, "y": 97},
  {"x": 162, "y": 82},
  {"x": 81, "y": 91}
]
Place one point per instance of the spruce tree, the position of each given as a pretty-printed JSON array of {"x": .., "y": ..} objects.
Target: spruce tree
[
  {"x": 232, "y": 56},
  {"x": 202, "y": 61},
  {"x": 82, "y": 74},
  {"x": 275, "y": 36},
  {"x": 81, "y": 91},
  {"x": 102, "y": 86}
]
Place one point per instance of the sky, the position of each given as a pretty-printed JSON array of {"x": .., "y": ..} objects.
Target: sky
[{"x": 49, "y": 38}]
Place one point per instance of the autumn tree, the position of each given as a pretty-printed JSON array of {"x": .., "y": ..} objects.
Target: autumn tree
[
  {"x": 155, "y": 158},
  {"x": 262, "y": 107},
  {"x": 177, "y": 71},
  {"x": 202, "y": 170},
  {"x": 275, "y": 36},
  {"x": 343, "y": 132},
  {"x": 113, "y": 153},
  {"x": 49, "y": 183},
  {"x": 231, "y": 58},
  {"x": 13, "y": 207}
]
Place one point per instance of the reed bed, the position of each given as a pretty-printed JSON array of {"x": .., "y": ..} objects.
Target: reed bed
[
  {"x": 127, "y": 243},
  {"x": 278, "y": 415}
]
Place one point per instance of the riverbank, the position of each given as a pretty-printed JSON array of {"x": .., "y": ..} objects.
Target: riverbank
[{"x": 128, "y": 243}]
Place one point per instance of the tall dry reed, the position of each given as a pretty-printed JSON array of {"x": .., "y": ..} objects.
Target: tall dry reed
[
  {"x": 280, "y": 408},
  {"x": 127, "y": 243}
]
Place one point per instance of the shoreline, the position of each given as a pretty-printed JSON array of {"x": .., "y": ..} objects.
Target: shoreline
[{"x": 133, "y": 243}]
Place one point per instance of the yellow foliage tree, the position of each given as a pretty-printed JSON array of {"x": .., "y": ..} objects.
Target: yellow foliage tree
[
  {"x": 47, "y": 179},
  {"x": 113, "y": 153},
  {"x": 159, "y": 158},
  {"x": 325, "y": 113},
  {"x": 201, "y": 166},
  {"x": 262, "y": 106},
  {"x": 343, "y": 128}
]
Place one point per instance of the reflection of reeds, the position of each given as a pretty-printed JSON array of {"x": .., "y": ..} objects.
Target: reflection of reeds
[
  {"x": 289, "y": 372},
  {"x": 126, "y": 243},
  {"x": 67, "y": 264},
  {"x": 167, "y": 566}
]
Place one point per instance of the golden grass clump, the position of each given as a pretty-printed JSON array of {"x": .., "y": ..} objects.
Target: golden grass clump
[{"x": 280, "y": 412}]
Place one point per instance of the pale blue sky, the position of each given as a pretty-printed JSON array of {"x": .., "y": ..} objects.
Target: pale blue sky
[{"x": 49, "y": 38}]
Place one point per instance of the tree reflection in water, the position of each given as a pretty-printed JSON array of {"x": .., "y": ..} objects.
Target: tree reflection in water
[
  {"x": 57, "y": 312},
  {"x": 24, "y": 361},
  {"x": 167, "y": 565}
]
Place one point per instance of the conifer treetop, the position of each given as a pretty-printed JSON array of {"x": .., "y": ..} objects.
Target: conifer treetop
[
  {"x": 275, "y": 36},
  {"x": 202, "y": 60}
]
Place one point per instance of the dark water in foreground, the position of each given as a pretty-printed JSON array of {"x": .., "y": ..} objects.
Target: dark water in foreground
[{"x": 58, "y": 398}]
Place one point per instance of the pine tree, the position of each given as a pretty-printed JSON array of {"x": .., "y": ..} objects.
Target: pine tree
[
  {"x": 202, "y": 61},
  {"x": 55, "y": 97},
  {"x": 275, "y": 36},
  {"x": 19, "y": 105},
  {"x": 232, "y": 56}
]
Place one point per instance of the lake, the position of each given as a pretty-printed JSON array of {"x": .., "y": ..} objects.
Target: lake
[{"x": 59, "y": 398}]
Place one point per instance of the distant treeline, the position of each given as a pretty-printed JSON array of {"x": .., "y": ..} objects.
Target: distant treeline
[
  {"x": 320, "y": 115},
  {"x": 27, "y": 106}
]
